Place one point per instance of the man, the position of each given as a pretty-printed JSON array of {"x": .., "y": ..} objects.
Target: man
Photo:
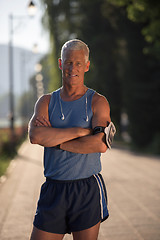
[{"x": 66, "y": 122}]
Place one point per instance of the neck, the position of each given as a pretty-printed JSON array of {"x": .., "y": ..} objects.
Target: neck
[{"x": 72, "y": 93}]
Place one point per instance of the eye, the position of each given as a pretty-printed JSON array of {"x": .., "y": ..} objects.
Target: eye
[
  {"x": 68, "y": 63},
  {"x": 78, "y": 64}
]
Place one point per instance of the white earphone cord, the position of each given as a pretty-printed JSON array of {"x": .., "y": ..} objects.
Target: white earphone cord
[{"x": 62, "y": 114}]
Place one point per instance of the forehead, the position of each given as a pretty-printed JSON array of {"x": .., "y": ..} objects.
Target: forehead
[{"x": 69, "y": 54}]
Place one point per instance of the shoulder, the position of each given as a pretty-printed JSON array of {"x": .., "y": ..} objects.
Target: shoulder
[
  {"x": 43, "y": 103},
  {"x": 100, "y": 102},
  {"x": 45, "y": 99}
]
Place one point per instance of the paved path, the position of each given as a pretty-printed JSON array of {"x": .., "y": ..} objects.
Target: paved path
[{"x": 133, "y": 184}]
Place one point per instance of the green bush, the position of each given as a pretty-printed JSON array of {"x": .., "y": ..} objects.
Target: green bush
[{"x": 9, "y": 147}]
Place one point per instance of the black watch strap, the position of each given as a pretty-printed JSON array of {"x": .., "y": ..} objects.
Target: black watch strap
[{"x": 98, "y": 129}]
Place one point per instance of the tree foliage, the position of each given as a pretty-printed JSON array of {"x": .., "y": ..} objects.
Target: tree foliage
[
  {"x": 143, "y": 56},
  {"x": 146, "y": 12},
  {"x": 123, "y": 36}
]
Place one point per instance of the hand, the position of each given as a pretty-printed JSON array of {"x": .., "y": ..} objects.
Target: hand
[
  {"x": 84, "y": 131},
  {"x": 42, "y": 122}
]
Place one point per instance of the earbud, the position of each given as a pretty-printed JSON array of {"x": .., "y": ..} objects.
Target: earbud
[{"x": 62, "y": 118}]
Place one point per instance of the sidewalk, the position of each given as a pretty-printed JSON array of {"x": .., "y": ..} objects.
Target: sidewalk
[
  {"x": 19, "y": 193},
  {"x": 133, "y": 184}
]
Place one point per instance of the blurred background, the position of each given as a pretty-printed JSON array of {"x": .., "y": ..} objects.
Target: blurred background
[{"x": 124, "y": 41}]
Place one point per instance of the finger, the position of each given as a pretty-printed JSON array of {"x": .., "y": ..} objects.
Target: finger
[
  {"x": 42, "y": 121},
  {"x": 38, "y": 123},
  {"x": 47, "y": 122}
]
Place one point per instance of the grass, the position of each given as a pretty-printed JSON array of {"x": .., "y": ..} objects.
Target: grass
[
  {"x": 8, "y": 148},
  {"x": 4, "y": 163}
]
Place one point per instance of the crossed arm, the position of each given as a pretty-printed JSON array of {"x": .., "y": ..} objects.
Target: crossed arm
[{"x": 77, "y": 140}]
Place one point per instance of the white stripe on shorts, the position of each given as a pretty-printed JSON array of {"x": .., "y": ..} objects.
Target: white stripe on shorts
[{"x": 100, "y": 190}]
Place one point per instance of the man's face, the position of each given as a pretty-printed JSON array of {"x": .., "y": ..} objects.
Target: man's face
[{"x": 73, "y": 66}]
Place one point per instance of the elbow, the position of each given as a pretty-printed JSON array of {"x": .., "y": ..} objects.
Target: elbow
[
  {"x": 32, "y": 140},
  {"x": 32, "y": 137},
  {"x": 103, "y": 148},
  {"x": 33, "y": 134}
]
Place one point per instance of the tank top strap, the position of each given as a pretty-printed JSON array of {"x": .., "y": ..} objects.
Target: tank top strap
[{"x": 54, "y": 99}]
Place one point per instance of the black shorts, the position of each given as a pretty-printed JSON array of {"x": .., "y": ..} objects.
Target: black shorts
[{"x": 70, "y": 206}]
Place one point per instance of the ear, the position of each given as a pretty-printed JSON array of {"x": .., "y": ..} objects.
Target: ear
[
  {"x": 60, "y": 63},
  {"x": 87, "y": 66}
]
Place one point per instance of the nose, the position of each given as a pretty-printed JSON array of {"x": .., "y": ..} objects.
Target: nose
[{"x": 71, "y": 67}]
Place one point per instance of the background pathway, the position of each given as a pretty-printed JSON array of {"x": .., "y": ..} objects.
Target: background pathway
[{"x": 133, "y": 183}]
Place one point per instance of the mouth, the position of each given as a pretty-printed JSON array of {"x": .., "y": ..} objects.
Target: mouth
[{"x": 73, "y": 75}]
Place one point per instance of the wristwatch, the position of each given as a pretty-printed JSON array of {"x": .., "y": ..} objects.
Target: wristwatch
[{"x": 98, "y": 129}]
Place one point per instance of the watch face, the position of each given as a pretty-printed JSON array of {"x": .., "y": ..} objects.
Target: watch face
[{"x": 98, "y": 130}]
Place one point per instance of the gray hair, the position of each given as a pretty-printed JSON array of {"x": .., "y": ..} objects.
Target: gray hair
[{"x": 76, "y": 44}]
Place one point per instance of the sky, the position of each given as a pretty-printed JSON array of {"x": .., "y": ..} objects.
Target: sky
[{"x": 28, "y": 31}]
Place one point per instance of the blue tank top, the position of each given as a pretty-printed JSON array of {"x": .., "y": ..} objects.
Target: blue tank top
[{"x": 64, "y": 165}]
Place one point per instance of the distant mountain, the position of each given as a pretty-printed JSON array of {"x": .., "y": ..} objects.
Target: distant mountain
[
  {"x": 23, "y": 65},
  {"x": 4, "y": 106}
]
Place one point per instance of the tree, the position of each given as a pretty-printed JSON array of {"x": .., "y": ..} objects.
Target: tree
[
  {"x": 68, "y": 19},
  {"x": 143, "y": 65},
  {"x": 124, "y": 66}
]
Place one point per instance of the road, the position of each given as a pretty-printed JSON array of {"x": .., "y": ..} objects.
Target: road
[{"x": 133, "y": 184}]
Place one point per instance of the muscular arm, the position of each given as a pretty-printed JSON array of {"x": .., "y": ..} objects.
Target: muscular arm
[
  {"x": 92, "y": 143},
  {"x": 41, "y": 132}
]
